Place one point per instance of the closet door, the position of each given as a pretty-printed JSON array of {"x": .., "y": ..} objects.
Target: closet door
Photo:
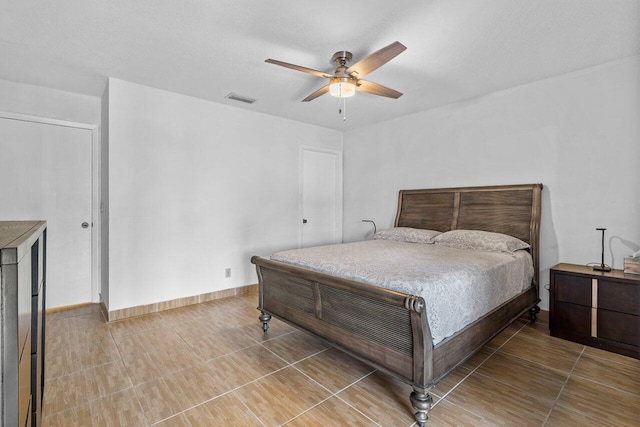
[
  {"x": 321, "y": 197},
  {"x": 45, "y": 174}
]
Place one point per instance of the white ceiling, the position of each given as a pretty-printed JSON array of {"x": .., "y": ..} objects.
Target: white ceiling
[{"x": 456, "y": 49}]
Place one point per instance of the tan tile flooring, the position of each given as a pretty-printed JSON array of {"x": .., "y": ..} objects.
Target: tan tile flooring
[{"x": 210, "y": 365}]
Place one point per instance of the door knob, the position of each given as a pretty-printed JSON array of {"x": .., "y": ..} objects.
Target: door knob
[
  {"x": 85, "y": 225},
  {"x": 304, "y": 220}
]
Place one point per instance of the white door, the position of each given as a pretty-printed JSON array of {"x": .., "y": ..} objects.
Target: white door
[
  {"x": 321, "y": 197},
  {"x": 45, "y": 174}
]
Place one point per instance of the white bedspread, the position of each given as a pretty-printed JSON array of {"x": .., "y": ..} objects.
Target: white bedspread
[{"x": 458, "y": 286}]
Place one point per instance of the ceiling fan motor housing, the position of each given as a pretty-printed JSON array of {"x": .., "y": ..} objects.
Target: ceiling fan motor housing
[{"x": 341, "y": 58}]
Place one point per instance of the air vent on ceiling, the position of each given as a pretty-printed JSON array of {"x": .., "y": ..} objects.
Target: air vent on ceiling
[{"x": 240, "y": 98}]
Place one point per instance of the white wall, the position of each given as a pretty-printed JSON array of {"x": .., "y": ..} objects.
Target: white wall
[
  {"x": 51, "y": 103},
  {"x": 195, "y": 187},
  {"x": 104, "y": 196},
  {"x": 578, "y": 134}
]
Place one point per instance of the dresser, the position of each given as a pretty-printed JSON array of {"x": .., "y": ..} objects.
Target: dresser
[
  {"x": 22, "y": 317},
  {"x": 599, "y": 309}
]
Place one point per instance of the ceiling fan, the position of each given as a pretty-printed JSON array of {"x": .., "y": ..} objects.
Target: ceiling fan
[{"x": 347, "y": 80}]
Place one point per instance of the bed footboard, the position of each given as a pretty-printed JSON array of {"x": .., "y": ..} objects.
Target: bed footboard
[{"x": 384, "y": 328}]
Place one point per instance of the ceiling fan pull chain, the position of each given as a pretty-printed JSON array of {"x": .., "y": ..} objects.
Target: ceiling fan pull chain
[{"x": 342, "y": 108}]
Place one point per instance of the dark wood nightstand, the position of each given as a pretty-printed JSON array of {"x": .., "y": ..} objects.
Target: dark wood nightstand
[{"x": 596, "y": 308}]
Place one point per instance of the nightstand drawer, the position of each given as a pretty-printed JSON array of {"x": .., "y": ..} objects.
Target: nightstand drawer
[
  {"x": 620, "y": 327},
  {"x": 573, "y": 289},
  {"x": 572, "y": 317},
  {"x": 618, "y": 296}
]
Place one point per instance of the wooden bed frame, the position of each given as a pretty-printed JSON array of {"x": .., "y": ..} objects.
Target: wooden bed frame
[{"x": 387, "y": 329}]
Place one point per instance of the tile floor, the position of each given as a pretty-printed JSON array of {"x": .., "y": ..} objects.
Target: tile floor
[{"x": 210, "y": 365}]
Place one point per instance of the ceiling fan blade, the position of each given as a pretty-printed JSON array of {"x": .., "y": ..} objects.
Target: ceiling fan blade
[
  {"x": 319, "y": 92},
  {"x": 376, "y": 89},
  {"x": 299, "y": 68},
  {"x": 377, "y": 59}
]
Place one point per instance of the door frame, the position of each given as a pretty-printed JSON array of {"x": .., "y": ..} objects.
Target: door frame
[
  {"x": 338, "y": 190},
  {"x": 96, "y": 215}
]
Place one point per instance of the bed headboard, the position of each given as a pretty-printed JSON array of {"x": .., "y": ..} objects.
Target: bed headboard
[{"x": 507, "y": 209}]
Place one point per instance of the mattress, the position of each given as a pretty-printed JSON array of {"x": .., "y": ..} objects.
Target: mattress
[{"x": 458, "y": 285}]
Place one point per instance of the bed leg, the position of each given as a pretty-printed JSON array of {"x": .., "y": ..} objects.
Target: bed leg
[
  {"x": 264, "y": 318},
  {"x": 421, "y": 402},
  {"x": 533, "y": 313}
]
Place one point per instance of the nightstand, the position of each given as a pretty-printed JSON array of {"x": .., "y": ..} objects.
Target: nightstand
[{"x": 599, "y": 309}]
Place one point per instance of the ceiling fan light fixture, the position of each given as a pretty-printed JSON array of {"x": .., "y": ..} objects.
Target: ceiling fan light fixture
[{"x": 342, "y": 87}]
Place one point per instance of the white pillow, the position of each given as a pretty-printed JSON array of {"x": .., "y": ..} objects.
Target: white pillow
[
  {"x": 407, "y": 234},
  {"x": 480, "y": 240}
]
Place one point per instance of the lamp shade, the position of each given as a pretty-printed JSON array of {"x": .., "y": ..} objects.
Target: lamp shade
[{"x": 342, "y": 87}]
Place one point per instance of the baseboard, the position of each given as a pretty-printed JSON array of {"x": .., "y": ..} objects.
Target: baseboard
[
  {"x": 141, "y": 310},
  {"x": 67, "y": 307},
  {"x": 104, "y": 310}
]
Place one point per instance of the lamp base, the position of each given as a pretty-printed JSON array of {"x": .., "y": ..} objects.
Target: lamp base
[{"x": 601, "y": 268}]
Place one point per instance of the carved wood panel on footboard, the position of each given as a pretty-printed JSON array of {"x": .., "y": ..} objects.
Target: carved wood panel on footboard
[{"x": 359, "y": 318}]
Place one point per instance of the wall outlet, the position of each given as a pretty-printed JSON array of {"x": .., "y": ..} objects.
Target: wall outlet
[{"x": 227, "y": 272}]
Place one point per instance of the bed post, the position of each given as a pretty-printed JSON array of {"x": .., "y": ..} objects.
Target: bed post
[
  {"x": 534, "y": 242},
  {"x": 422, "y": 359},
  {"x": 264, "y": 316},
  {"x": 533, "y": 313},
  {"x": 421, "y": 401}
]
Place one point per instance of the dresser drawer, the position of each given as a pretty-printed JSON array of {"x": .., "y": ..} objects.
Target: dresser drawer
[
  {"x": 618, "y": 296},
  {"x": 572, "y": 289},
  {"x": 24, "y": 388}
]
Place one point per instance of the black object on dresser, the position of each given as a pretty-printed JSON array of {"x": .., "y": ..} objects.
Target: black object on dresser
[{"x": 599, "y": 309}]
